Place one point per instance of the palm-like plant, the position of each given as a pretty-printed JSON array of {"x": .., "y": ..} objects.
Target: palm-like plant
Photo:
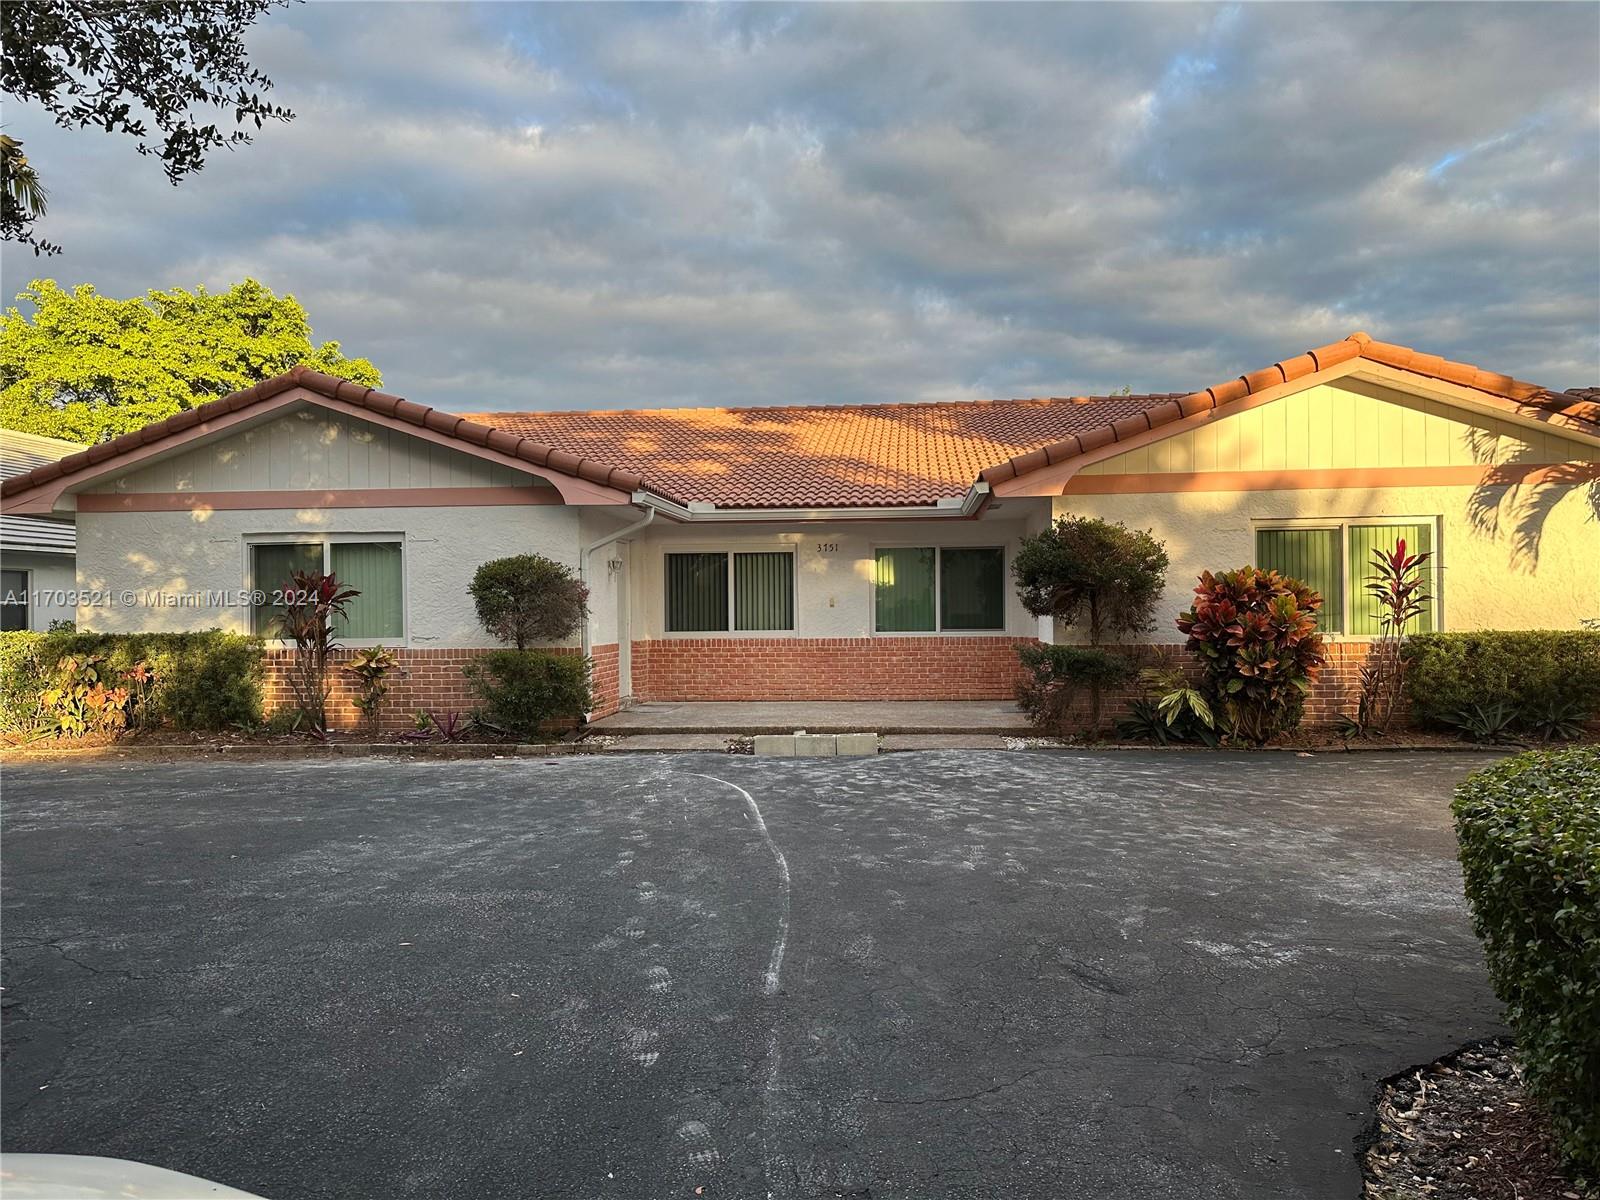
[
  {"x": 1398, "y": 586},
  {"x": 312, "y": 602}
]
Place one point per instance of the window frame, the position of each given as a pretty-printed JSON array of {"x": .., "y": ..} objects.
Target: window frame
[
  {"x": 27, "y": 597},
  {"x": 938, "y": 629},
  {"x": 728, "y": 551},
  {"x": 1435, "y": 564},
  {"x": 327, "y": 541}
]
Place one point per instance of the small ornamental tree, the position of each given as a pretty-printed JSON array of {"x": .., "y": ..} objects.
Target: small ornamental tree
[
  {"x": 312, "y": 602},
  {"x": 1256, "y": 635},
  {"x": 1096, "y": 573},
  {"x": 1397, "y": 587},
  {"x": 528, "y": 598},
  {"x": 1092, "y": 573}
]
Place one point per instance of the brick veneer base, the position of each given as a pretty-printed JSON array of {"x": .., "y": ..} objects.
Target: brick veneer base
[
  {"x": 427, "y": 679},
  {"x": 884, "y": 668},
  {"x": 981, "y": 668},
  {"x": 912, "y": 669}
]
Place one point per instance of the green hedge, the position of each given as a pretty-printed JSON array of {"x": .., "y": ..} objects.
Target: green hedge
[
  {"x": 1530, "y": 669},
  {"x": 204, "y": 681},
  {"x": 1529, "y": 829},
  {"x": 524, "y": 690}
]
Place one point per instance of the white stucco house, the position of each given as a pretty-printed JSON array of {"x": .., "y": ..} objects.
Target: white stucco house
[
  {"x": 38, "y": 568},
  {"x": 835, "y": 552}
]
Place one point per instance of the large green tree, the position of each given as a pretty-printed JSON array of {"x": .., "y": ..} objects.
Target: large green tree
[
  {"x": 124, "y": 67},
  {"x": 86, "y": 367}
]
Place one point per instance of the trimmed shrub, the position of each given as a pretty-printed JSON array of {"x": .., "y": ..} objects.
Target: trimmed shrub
[
  {"x": 1099, "y": 574},
  {"x": 1529, "y": 829},
  {"x": 203, "y": 681},
  {"x": 21, "y": 680},
  {"x": 528, "y": 598},
  {"x": 523, "y": 690},
  {"x": 1056, "y": 676},
  {"x": 1256, "y": 634},
  {"x": 1537, "y": 671}
]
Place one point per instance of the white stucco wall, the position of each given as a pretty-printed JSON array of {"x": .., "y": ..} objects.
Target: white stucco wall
[
  {"x": 51, "y": 577},
  {"x": 833, "y": 566},
  {"x": 182, "y": 553},
  {"x": 1487, "y": 582}
]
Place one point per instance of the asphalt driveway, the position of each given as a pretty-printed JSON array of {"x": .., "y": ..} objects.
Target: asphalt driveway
[{"x": 946, "y": 974}]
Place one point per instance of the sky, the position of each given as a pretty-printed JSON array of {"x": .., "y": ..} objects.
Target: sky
[{"x": 540, "y": 206}]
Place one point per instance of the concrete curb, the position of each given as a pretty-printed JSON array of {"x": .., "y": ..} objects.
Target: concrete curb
[{"x": 439, "y": 750}]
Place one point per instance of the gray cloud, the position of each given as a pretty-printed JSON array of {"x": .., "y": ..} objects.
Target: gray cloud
[{"x": 558, "y": 206}]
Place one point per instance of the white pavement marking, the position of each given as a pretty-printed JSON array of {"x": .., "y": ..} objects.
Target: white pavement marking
[{"x": 769, "y": 986}]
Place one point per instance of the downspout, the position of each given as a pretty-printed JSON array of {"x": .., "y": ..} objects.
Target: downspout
[{"x": 584, "y": 551}]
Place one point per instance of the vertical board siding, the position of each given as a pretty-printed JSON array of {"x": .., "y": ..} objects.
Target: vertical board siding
[
  {"x": 1351, "y": 424},
  {"x": 311, "y": 449},
  {"x": 1312, "y": 556}
]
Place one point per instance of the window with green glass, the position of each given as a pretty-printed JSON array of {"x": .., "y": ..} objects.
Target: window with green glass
[
  {"x": 702, "y": 591},
  {"x": 972, "y": 587},
  {"x": 1314, "y": 557},
  {"x": 697, "y": 593},
  {"x": 373, "y": 569},
  {"x": 903, "y": 581},
  {"x": 763, "y": 590},
  {"x": 1362, "y": 541},
  {"x": 272, "y": 567}
]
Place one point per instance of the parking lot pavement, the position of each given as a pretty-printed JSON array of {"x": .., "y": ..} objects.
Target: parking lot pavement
[{"x": 944, "y": 974}]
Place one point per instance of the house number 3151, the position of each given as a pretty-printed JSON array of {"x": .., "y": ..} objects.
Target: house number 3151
[{"x": 827, "y": 547}]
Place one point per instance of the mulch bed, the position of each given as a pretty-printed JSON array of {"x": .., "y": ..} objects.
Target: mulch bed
[{"x": 1463, "y": 1128}]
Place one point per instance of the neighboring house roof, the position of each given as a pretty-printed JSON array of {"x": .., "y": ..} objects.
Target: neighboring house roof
[
  {"x": 20, "y": 453},
  {"x": 838, "y": 456}
]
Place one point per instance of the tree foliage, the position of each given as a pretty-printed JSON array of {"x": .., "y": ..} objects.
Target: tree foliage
[
  {"x": 86, "y": 367},
  {"x": 1098, "y": 572},
  {"x": 24, "y": 200},
  {"x": 528, "y": 598},
  {"x": 125, "y": 67}
]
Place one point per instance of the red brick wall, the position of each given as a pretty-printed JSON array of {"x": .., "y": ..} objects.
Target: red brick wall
[
  {"x": 427, "y": 679},
  {"x": 929, "y": 668},
  {"x": 1335, "y": 692},
  {"x": 879, "y": 668}
]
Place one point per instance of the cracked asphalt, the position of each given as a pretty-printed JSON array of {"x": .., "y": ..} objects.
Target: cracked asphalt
[{"x": 1042, "y": 974}]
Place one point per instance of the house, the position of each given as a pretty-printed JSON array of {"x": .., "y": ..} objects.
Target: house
[
  {"x": 835, "y": 552},
  {"x": 37, "y": 570}
]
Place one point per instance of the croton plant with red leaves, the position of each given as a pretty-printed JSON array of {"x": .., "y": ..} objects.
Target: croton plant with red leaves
[{"x": 1256, "y": 634}]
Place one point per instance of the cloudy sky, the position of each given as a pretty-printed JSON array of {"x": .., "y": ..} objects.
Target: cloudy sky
[{"x": 545, "y": 206}]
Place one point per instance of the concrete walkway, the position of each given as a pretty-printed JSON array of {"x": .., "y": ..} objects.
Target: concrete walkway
[{"x": 994, "y": 717}]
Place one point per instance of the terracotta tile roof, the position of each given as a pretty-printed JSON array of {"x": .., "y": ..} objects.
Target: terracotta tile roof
[
  {"x": 822, "y": 456},
  {"x": 818, "y": 456},
  {"x": 1577, "y": 409},
  {"x": 546, "y": 458}
]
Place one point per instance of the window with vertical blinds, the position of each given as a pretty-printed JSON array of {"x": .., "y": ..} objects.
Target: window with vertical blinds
[
  {"x": 920, "y": 589},
  {"x": 763, "y": 590},
  {"x": 972, "y": 588},
  {"x": 697, "y": 593},
  {"x": 903, "y": 581},
  {"x": 373, "y": 569},
  {"x": 13, "y": 600},
  {"x": 1337, "y": 562},
  {"x": 1313, "y": 556},
  {"x": 758, "y": 591},
  {"x": 1363, "y": 540},
  {"x": 272, "y": 569}
]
